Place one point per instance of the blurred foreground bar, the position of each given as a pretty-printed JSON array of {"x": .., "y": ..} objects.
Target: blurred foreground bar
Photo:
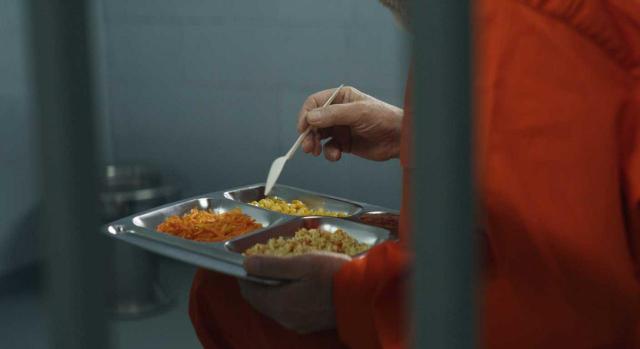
[
  {"x": 74, "y": 270},
  {"x": 444, "y": 284}
]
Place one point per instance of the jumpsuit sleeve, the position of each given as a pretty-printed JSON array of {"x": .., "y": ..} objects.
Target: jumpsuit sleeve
[
  {"x": 630, "y": 130},
  {"x": 632, "y": 173},
  {"x": 369, "y": 296},
  {"x": 560, "y": 178},
  {"x": 560, "y": 185}
]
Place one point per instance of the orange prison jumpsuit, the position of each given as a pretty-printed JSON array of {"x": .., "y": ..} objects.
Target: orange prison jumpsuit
[{"x": 558, "y": 174}]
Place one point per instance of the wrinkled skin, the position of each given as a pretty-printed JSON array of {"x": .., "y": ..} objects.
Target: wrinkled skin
[
  {"x": 355, "y": 123},
  {"x": 304, "y": 305}
]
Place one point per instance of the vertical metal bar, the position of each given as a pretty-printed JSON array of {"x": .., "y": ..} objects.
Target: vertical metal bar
[
  {"x": 99, "y": 58},
  {"x": 444, "y": 284},
  {"x": 63, "y": 87}
]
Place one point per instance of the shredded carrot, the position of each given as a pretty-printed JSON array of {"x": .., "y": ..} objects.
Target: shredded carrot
[{"x": 208, "y": 226}]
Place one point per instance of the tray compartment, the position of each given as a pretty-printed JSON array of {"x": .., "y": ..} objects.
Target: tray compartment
[
  {"x": 363, "y": 233},
  {"x": 225, "y": 257},
  {"x": 150, "y": 220},
  {"x": 312, "y": 200}
]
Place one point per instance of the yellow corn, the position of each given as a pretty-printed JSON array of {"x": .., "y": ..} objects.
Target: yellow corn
[{"x": 295, "y": 208}]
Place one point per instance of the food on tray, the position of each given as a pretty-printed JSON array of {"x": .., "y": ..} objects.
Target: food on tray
[
  {"x": 308, "y": 240},
  {"x": 295, "y": 208},
  {"x": 209, "y": 226}
]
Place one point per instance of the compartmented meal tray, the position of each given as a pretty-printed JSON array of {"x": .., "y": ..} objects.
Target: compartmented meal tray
[{"x": 226, "y": 256}]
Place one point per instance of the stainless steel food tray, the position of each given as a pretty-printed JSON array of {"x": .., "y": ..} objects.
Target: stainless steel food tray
[{"x": 367, "y": 223}]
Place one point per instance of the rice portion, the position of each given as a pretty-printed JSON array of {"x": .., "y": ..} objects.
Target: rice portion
[{"x": 309, "y": 240}]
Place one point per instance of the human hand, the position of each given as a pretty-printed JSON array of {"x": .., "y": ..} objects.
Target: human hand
[
  {"x": 304, "y": 305},
  {"x": 356, "y": 123}
]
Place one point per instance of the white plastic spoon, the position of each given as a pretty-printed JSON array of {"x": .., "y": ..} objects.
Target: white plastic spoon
[{"x": 278, "y": 164}]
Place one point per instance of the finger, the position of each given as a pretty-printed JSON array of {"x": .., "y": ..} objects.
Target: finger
[
  {"x": 341, "y": 135},
  {"x": 256, "y": 295},
  {"x": 332, "y": 151},
  {"x": 291, "y": 268},
  {"x": 347, "y": 94},
  {"x": 314, "y": 101},
  {"x": 317, "y": 150},
  {"x": 325, "y": 132},
  {"x": 274, "y": 302},
  {"x": 307, "y": 144},
  {"x": 302, "y": 121},
  {"x": 250, "y": 290},
  {"x": 335, "y": 115}
]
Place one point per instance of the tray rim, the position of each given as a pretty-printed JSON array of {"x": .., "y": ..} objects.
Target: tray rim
[
  {"x": 366, "y": 207},
  {"x": 280, "y": 219},
  {"x": 194, "y": 257},
  {"x": 384, "y": 237},
  {"x": 209, "y": 254},
  {"x": 360, "y": 207}
]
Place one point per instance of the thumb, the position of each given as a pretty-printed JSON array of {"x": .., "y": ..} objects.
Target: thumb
[
  {"x": 293, "y": 268},
  {"x": 276, "y": 267},
  {"x": 335, "y": 115}
]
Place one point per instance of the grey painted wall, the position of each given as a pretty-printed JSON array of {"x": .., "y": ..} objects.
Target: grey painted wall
[
  {"x": 209, "y": 90},
  {"x": 18, "y": 145},
  {"x": 17, "y": 149}
]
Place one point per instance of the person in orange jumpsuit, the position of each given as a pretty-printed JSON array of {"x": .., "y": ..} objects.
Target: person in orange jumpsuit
[{"x": 558, "y": 176}]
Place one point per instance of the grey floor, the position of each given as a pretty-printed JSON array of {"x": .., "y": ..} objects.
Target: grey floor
[{"x": 23, "y": 325}]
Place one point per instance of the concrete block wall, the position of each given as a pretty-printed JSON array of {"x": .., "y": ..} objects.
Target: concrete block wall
[{"x": 209, "y": 90}]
